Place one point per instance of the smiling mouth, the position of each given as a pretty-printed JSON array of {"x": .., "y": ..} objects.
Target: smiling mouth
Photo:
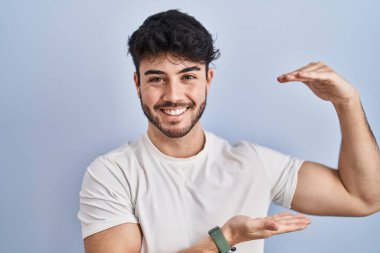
[{"x": 174, "y": 112}]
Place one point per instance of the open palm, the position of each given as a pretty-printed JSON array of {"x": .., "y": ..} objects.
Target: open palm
[{"x": 243, "y": 228}]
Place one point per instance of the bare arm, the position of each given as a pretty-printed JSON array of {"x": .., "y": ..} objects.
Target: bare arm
[
  {"x": 242, "y": 228},
  {"x": 127, "y": 238},
  {"x": 124, "y": 238},
  {"x": 353, "y": 189},
  {"x": 359, "y": 160}
]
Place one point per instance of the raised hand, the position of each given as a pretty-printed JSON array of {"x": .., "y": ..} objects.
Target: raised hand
[
  {"x": 323, "y": 81},
  {"x": 243, "y": 228}
]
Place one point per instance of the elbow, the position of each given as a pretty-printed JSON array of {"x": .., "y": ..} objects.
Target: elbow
[
  {"x": 370, "y": 208},
  {"x": 361, "y": 206},
  {"x": 367, "y": 212}
]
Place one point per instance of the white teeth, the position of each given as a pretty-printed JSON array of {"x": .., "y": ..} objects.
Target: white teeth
[{"x": 175, "y": 112}]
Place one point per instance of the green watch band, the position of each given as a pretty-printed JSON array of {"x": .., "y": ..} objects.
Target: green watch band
[{"x": 219, "y": 239}]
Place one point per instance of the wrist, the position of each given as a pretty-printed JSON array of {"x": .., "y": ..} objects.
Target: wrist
[
  {"x": 349, "y": 108},
  {"x": 222, "y": 242},
  {"x": 227, "y": 232},
  {"x": 352, "y": 101}
]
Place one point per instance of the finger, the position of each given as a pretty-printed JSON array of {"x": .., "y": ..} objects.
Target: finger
[
  {"x": 291, "y": 227},
  {"x": 261, "y": 224},
  {"x": 319, "y": 69},
  {"x": 279, "y": 78},
  {"x": 294, "y": 220},
  {"x": 310, "y": 65},
  {"x": 313, "y": 76},
  {"x": 292, "y": 216},
  {"x": 324, "y": 68},
  {"x": 281, "y": 214},
  {"x": 291, "y": 78},
  {"x": 307, "y": 77},
  {"x": 286, "y": 215},
  {"x": 316, "y": 66},
  {"x": 282, "y": 217},
  {"x": 270, "y": 225}
]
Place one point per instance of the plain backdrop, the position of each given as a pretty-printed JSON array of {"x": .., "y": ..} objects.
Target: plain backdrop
[{"x": 67, "y": 96}]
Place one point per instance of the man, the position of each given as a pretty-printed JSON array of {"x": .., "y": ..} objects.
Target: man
[{"x": 165, "y": 191}]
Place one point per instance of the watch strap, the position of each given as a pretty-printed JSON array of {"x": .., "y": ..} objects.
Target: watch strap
[{"x": 219, "y": 239}]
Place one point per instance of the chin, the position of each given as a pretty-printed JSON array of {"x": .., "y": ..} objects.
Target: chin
[{"x": 176, "y": 132}]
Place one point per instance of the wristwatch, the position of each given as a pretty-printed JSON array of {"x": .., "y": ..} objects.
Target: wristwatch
[{"x": 220, "y": 241}]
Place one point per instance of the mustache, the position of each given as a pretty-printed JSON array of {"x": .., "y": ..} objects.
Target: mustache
[{"x": 174, "y": 105}]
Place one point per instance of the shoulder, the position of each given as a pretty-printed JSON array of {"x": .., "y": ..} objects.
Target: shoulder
[{"x": 118, "y": 160}]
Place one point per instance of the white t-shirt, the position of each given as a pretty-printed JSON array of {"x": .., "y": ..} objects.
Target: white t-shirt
[{"x": 177, "y": 201}]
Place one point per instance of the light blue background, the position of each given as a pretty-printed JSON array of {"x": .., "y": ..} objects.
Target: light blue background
[{"x": 67, "y": 96}]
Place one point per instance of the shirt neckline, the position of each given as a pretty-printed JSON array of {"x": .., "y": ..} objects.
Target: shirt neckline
[{"x": 175, "y": 159}]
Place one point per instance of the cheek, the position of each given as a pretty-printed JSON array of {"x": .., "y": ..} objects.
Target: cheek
[
  {"x": 149, "y": 97},
  {"x": 198, "y": 96}
]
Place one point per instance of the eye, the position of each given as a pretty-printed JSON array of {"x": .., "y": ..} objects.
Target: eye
[
  {"x": 188, "y": 77},
  {"x": 155, "y": 79}
]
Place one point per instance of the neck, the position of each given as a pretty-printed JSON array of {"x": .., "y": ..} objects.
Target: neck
[{"x": 183, "y": 147}]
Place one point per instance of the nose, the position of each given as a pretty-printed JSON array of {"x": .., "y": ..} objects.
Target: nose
[{"x": 173, "y": 92}]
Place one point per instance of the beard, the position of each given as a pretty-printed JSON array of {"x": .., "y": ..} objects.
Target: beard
[{"x": 176, "y": 132}]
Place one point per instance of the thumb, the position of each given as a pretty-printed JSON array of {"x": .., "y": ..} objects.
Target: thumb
[{"x": 270, "y": 225}]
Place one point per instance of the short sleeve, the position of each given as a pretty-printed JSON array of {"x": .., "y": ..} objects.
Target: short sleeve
[
  {"x": 282, "y": 171},
  {"x": 105, "y": 198}
]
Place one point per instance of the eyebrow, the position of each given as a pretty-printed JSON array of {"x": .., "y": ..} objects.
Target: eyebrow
[{"x": 159, "y": 72}]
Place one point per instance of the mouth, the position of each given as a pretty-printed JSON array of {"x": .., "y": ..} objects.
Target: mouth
[{"x": 175, "y": 112}]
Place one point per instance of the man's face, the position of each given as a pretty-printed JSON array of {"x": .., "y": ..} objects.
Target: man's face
[{"x": 173, "y": 93}]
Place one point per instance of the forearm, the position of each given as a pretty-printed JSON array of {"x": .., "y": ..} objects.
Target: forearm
[
  {"x": 205, "y": 246},
  {"x": 359, "y": 159},
  {"x": 241, "y": 228}
]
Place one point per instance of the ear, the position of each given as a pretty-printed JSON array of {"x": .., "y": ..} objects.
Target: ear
[
  {"x": 210, "y": 76},
  {"x": 137, "y": 85}
]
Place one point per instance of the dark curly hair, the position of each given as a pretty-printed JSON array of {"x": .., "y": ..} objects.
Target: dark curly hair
[{"x": 172, "y": 32}]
